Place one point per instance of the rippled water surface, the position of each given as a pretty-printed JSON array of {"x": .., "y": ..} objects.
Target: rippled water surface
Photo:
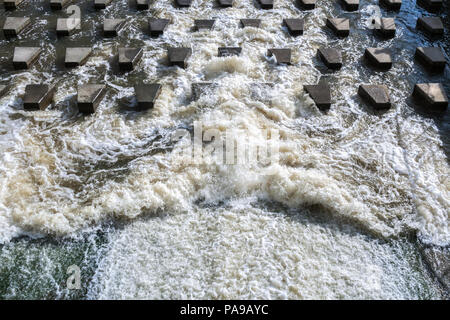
[{"x": 338, "y": 217}]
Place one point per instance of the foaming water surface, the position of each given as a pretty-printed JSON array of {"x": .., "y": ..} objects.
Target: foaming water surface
[{"x": 336, "y": 218}]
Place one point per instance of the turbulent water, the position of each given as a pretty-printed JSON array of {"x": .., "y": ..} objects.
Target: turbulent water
[{"x": 336, "y": 217}]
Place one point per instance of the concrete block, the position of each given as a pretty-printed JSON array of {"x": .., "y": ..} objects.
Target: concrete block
[
  {"x": 111, "y": 27},
  {"x": 432, "y": 95},
  {"x": 340, "y": 26},
  {"x": 101, "y": 4},
  {"x": 146, "y": 95},
  {"x": 13, "y": 26},
  {"x": 281, "y": 55},
  {"x": 183, "y": 3},
  {"x": 179, "y": 56},
  {"x": 59, "y": 4},
  {"x": 203, "y": 24},
  {"x": 157, "y": 26},
  {"x": 24, "y": 57},
  {"x": 12, "y": 4},
  {"x": 229, "y": 51},
  {"x": 321, "y": 95},
  {"x": 331, "y": 57},
  {"x": 250, "y": 23},
  {"x": 431, "y": 25},
  {"x": 38, "y": 96},
  {"x": 430, "y": 5},
  {"x": 129, "y": 58},
  {"x": 294, "y": 26},
  {"x": 379, "y": 57},
  {"x": 76, "y": 56},
  {"x": 226, "y": 3},
  {"x": 391, "y": 4},
  {"x": 89, "y": 97},
  {"x": 387, "y": 27},
  {"x": 350, "y": 5},
  {"x": 306, "y": 4},
  {"x": 142, "y": 4},
  {"x": 67, "y": 26},
  {"x": 431, "y": 57},
  {"x": 266, "y": 4},
  {"x": 375, "y": 95}
]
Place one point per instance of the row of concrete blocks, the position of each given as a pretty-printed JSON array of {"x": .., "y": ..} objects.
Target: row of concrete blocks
[
  {"x": 432, "y": 58},
  {"x": 349, "y": 5},
  {"x": 13, "y": 26},
  {"x": 39, "y": 96}
]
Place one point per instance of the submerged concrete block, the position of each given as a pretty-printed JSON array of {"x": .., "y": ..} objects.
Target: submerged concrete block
[
  {"x": 432, "y": 58},
  {"x": 38, "y": 96},
  {"x": 376, "y": 95},
  {"x": 391, "y": 4},
  {"x": 250, "y": 23},
  {"x": 111, "y": 27},
  {"x": 430, "y": 5},
  {"x": 129, "y": 58},
  {"x": 204, "y": 24},
  {"x": 3, "y": 90},
  {"x": 350, "y": 5},
  {"x": 146, "y": 95},
  {"x": 266, "y": 4},
  {"x": 432, "y": 94},
  {"x": 76, "y": 56},
  {"x": 183, "y": 3},
  {"x": 101, "y": 4},
  {"x": 281, "y": 55},
  {"x": 294, "y": 26},
  {"x": 431, "y": 25},
  {"x": 379, "y": 57},
  {"x": 307, "y": 4},
  {"x": 321, "y": 95},
  {"x": 24, "y": 57},
  {"x": 142, "y": 4},
  {"x": 89, "y": 97},
  {"x": 13, "y": 26},
  {"x": 58, "y": 4},
  {"x": 201, "y": 88},
  {"x": 157, "y": 26},
  {"x": 67, "y": 26},
  {"x": 179, "y": 56},
  {"x": 226, "y": 3},
  {"x": 12, "y": 4},
  {"x": 331, "y": 57},
  {"x": 387, "y": 27},
  {"x": 229, "y": 51},
  {"x": 340, "y": 26}
]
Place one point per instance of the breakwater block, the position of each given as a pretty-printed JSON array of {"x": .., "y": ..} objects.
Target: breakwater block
[
  {"x": 203, "y": 24},
  {"x": 24, "y": 57},
  {"x": 13, "y": 26},
  {"x": 12, "y": 4},
  {"x": 340, "y": 26},
  {"x": 183, "y": 3},
  {"x": 111, "y": 27},
  {"x": 294, "y": 26},
  {"x": 379, "y": 57},
  {"x": 179, "y": 56},
  {"x": 157, "y": 26},
  {"x": 281, "y": 55},
  {"x": 67, "y": 26},
  {"x": 76, "y": 56},
  {"x": 387, "y": 27},
  {"x": 306, "y": 4},
  {"x": 58, "y": 4},
  {"x": 38, "y": 96},
  {"x": 229, "y": 51},
  {"x": 430, "y": 5},
  {"x": 89, "y": 97},
  {"x": 432, "y": 58},
  {"x": 129, "y": 58},
  {"x": 101, "y": 4},
  {"x": 250, "y": 23},
  {"x": 350, "y": 5},
  {"x": 226, "y": 3},
  {"x": 331, "y": 57},
  {"x": 321, "y": 95},
  {"x": 146, "y": 95},
  {"x": 433, "y": 94},
  {"x": 375, "y": 95},
  {"x": 3, "y": 90},
  {"x": 431, "y": 25},
  {"x": 142, "y": 4},
  {"x": 266, "y": 4},
  {"x": 391, "y": 4}
]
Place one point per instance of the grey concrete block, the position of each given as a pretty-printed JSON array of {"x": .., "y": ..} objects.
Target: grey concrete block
[
  {"x": 129, "y": 58},
  {"x": 12, "y": 4},
  {"x": 431, "y": 25},
  {"x": 266, "y": 4},
  {"x": 294, "y": 26},
  {"x": 229, "y": 51},
  {"x": 387, "y": 27},
  {"x": 59, "y": 4},
  {"x": 89, "y": 97},
  {"x": 146, "y": 95},
  {"x": 281, "y": 55},
  {"x": 38, "y": 96},
  {"x": 432, "y": 58},
  {"x": 350, "y": 5},
  {"x": 101, "y": 4},
  {"x": 380, "y": 58},
  {"x": 13, "y": 26},
  {"x": 432, "y": 94},
  {"x": 391, "y": 4},
  {"x": 226, "y": 3},
  {"x": 111, "y": 27},
  {"x": 255, "y": 23},
  {"x": 179, "y": 56},
  {"x": 142, "y": 4},
  {"x": 376, "y": 95},
  {"x": 331, "y": 57},
  {"x": 183, "y": 3},
  {"x": 67, "y": 26},
  {"x": 340, "y": 26},
  {"x": 157, "y": 26},
  {"x": 307, "y": 4},
  {"x": 24, "y": 57},
  {"x": 321, "y": 95},
  {"x": 76, "y": 56},
  {"x": 204, "y": 24}
]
